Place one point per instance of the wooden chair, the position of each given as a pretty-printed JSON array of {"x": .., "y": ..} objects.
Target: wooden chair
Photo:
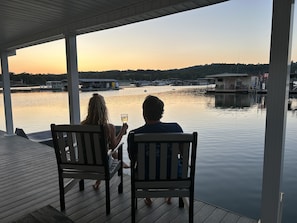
[
  {"x": 163, "y": 165},
  {"x": 81, "y": 152}
]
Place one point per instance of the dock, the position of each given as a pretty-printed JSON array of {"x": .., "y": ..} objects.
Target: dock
[{"x": 30, "y": 182}]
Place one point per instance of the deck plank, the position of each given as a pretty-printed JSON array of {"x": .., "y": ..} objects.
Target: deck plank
[
  {"x": 230, "y": 218},
  {"x": 217, "y": 214},
  {"x": 30, "y": 182}
]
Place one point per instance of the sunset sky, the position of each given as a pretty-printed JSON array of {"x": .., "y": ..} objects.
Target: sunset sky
[{"x": 237, "y": 31}]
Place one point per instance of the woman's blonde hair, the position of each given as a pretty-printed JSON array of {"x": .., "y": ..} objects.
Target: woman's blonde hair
[{"x": 97, "y": 111}]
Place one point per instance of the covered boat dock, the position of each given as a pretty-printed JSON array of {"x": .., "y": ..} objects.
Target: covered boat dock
[{"x": 28, "y": 23}]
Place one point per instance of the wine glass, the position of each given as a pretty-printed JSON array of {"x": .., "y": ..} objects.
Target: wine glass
[{"x": 124, "y": 118}]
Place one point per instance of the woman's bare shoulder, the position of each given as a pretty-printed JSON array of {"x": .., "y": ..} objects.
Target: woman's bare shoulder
[{"x": 111, "y": 127}]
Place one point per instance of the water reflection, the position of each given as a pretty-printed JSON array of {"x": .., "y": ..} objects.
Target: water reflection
[
  {"x": 244, "y": 101},
  {"x": 235, "y": 100},
  {"x": 231, "y": 137}
]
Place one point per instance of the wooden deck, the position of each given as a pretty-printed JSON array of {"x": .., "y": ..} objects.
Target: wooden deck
[{"x": 29, "y": 181}]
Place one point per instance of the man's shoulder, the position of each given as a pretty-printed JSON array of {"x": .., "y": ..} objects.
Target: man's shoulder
[
  {"x": 172, "y": 126},
  {"x": 159, "y": 127},
  {"x": 138, "y": 130}
]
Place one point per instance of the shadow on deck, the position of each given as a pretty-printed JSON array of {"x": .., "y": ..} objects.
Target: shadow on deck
[{"x": 30, "y": 182}]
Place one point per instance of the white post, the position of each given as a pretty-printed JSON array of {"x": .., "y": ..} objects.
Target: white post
[
  {"x": 6, "y": 94},
  {"x": 73, "y": 80},
  {"x": 277, "y": 104}
]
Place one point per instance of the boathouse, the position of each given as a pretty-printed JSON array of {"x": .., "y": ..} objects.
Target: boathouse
[
  {"x": 234, "y": 83},
  {"x": 98, "y": 84}
]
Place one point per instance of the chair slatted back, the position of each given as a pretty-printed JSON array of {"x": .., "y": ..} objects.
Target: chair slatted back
[
  {"x": 82, "y": 153},
  {"x": 80, "y": 147},
  {"x": 164, "y": 156},
  {"x": 163, "y": 165}
]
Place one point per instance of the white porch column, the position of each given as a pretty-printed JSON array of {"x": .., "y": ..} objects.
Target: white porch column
[
  {"x": 277, "y": 105},
  {"x": 73, "y": 79},
  {"x": 6, "y": 94}
]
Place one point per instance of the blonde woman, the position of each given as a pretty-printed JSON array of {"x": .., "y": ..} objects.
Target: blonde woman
[{"x": 98, "y": 115}]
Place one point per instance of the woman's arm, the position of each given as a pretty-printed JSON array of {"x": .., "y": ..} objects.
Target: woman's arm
[{"x": 115, "y": 139}]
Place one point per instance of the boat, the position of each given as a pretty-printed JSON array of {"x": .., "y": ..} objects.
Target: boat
[{"x": 54, "y": 86}]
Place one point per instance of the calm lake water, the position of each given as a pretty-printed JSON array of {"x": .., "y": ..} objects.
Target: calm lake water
[{"x": 231, "y": 132}]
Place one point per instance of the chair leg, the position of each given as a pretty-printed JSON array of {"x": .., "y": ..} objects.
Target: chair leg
[
  {"x": 120, "y": 171},
  {"x": 107, "y": 197},
  {"x": 120, "y": 157},
  {"x": 180, "y": 202},
  {"x": 191, "y": 208},
  {"x": 81, "y": 185},
  {"x": 120, "y": 187},
  {"x": 133, "y": 200},
  {"x": 135, "y": 203},
  {"x": 62, "y": 193},
  {"x": 133, "y": 209}
]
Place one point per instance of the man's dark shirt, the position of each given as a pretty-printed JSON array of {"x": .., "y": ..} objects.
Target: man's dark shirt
[{"x": 159, "y": 127}]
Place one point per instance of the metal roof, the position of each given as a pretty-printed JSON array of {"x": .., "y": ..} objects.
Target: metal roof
[
  {"x": 31, "y": 22},
  {"x": 227, "y": 75},
  {"x": 96, "y": 80}
]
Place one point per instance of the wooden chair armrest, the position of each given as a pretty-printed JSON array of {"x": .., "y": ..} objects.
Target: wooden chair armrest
[{"x": 118, "y": 148}]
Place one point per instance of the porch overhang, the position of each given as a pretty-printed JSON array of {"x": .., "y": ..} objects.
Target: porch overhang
[{"x": 31, "y": 22}]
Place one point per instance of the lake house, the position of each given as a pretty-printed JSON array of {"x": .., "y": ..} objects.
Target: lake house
[
  {"x": 98, "y": 84},
  {"x": 235, "y": 83}
]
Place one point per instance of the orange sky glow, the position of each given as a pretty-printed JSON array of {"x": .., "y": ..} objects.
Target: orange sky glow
[{"x": 196, "y": 37}]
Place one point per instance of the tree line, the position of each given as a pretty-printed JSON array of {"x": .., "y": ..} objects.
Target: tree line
[{"x": 189, "y": 73}]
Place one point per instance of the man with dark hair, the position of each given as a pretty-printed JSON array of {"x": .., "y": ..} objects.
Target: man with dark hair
[{"x": 152, "y": 110}]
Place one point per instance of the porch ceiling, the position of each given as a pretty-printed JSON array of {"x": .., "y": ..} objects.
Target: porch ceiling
[{"x": 31, "y": 22}]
